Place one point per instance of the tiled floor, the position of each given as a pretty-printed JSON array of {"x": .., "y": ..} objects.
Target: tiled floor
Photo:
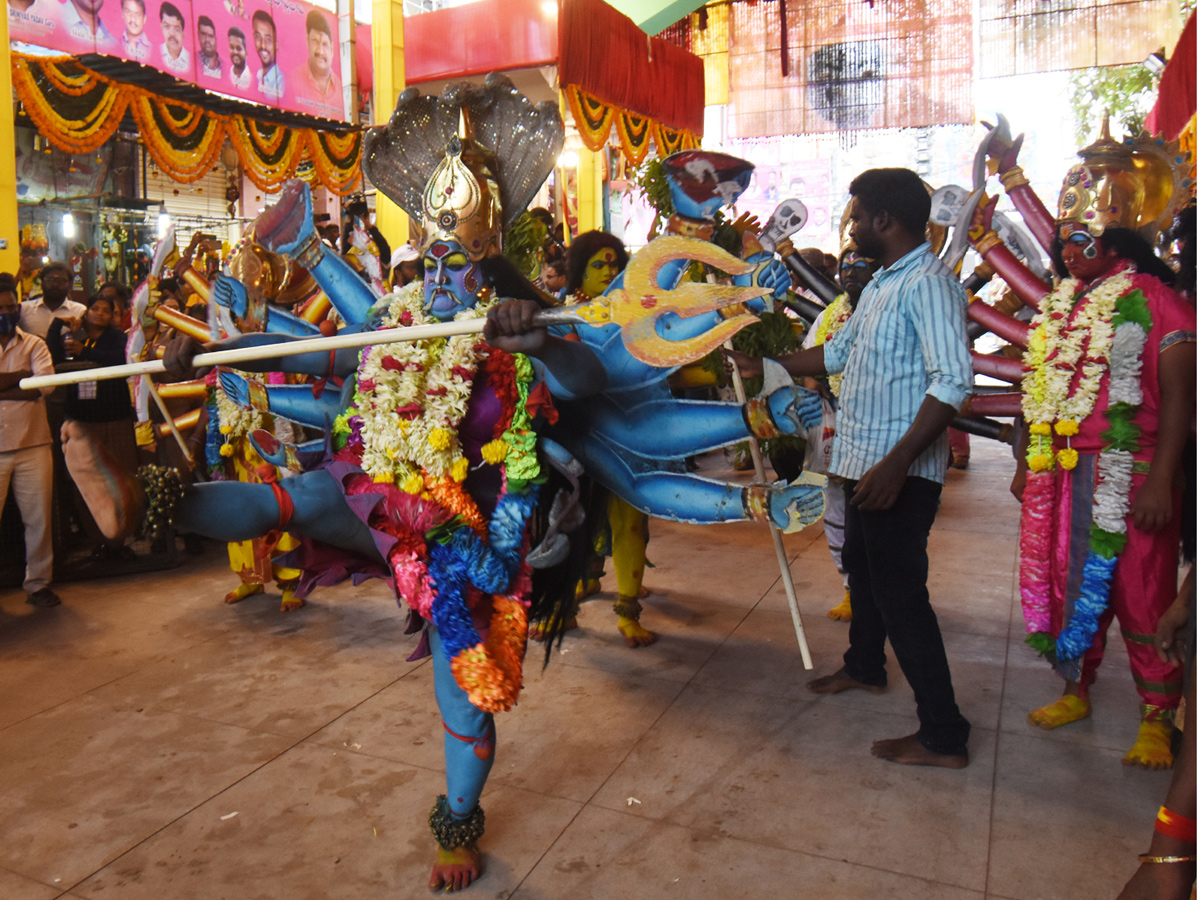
[{"x": 156, "y": 743}]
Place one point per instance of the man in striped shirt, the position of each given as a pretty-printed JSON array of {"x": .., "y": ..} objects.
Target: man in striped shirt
[{"x": 905, "y": 372}]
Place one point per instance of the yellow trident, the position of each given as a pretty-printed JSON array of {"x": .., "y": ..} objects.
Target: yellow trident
[{"x": 640, "y": 304}]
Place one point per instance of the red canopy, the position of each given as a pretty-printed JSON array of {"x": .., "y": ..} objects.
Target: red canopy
[
  {"x": 595, "y": 48},
  {"x": 1176, "y": 103}
]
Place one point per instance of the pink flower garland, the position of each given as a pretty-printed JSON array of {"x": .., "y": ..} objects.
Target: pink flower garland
[{"x": 1036, "y": 508}]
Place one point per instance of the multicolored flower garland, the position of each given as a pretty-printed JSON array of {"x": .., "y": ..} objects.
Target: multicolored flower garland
[
  {"x": 836, "y": 315},
  {"x": 1111, "y": 328},
  {"x": 403, "y": 426}
]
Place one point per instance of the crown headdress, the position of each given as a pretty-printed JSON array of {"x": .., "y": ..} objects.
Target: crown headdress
[
  {"x": 1138, "y": 183},
  {"x": 466, "y": 163}
]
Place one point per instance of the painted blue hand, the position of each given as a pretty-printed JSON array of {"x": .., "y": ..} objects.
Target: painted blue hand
[
  {"x": 795, "y": 409},
  {"x": 230, "y": 293},
  {"x": 235, "y": 388},
  {"x": 799, "y": 504},
  {"x": 769, "y": 273}
]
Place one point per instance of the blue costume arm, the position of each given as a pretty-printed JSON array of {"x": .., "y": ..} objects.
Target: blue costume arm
[
  {"x": 231, "y": 294},
  {"x": 345, "y": 362},
  {"x": 291, "y": 401}
]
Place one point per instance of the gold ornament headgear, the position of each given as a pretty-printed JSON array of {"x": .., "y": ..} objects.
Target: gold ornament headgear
[
  {"x": 1137, "y": 184},
  {"x": 461, "y": 201}
]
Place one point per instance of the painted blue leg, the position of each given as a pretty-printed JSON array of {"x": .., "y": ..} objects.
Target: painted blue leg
[
  {"x": 466, "y": 773},
  {"x": 233, "y": 511}
]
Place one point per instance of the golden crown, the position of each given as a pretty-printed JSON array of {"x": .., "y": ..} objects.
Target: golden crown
[
  {"x": 1138, "y": 183},
  {"x": 461, "y": 201}
]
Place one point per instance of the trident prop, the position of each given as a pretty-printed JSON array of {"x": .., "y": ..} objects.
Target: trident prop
[{"x": 636, "y": 307}]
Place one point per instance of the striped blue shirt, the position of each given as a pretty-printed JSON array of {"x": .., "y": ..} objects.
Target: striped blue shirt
[{"x": 906, "y": 339}]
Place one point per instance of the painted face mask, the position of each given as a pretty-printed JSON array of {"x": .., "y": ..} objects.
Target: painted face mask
[{"x": 451, "y": 280}]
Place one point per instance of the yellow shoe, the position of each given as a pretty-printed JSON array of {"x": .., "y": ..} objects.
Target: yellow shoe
[
  {"x": 1152, "y": 749},
  {"x": 1066, "y": 709},
  {"x": 841, "y": 612}
]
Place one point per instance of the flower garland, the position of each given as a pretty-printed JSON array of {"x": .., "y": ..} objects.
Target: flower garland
[
  {"x": 409, "y": 402},
  {"x": 836, "y": 315},
  {"x": 1110, "y": 327}
]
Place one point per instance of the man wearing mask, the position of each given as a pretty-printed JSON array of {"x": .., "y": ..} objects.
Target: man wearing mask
[{"x": 25, "y": 460}]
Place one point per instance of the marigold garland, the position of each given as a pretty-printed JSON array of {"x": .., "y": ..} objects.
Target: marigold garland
[
  {"x": 1109, "y": 323},
  {"x": 78, "y": 110}
]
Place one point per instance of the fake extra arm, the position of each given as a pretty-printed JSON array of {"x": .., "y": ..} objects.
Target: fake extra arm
[
  {"x": 1034, "y": 213},
  {"x": 295, "y": 402},
  {"x": 988, "y": 244}
]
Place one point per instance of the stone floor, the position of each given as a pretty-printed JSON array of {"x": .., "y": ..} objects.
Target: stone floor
[{"x": 156, "y": 743}]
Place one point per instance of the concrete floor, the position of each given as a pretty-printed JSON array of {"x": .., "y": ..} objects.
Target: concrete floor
[{"x": 156, "y": 743}]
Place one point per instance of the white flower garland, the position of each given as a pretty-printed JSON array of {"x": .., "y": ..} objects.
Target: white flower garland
[
  {"x": 417, "y": 396},
  {"x": 1047, "y": 385},
  {"x": 235, "y": 420}
]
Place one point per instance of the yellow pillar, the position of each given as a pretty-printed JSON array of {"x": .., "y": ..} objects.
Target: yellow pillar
[
  {"x": 591, "y": 190},
  {"x": 10, "y": 256},
  {"x": 387, "y": 47}
]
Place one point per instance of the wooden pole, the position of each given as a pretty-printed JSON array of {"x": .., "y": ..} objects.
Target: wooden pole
[{"x": 785, "y": 571}]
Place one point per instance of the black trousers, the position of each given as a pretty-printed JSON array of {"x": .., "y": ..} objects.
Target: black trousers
[{"x": 887, "y": 564}]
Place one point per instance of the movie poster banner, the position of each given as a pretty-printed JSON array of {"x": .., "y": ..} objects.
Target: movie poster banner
[{"x": 280, "y": 53}]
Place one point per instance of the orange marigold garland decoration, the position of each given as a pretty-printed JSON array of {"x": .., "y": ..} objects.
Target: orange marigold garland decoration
[{"x": 490, "y": 672}]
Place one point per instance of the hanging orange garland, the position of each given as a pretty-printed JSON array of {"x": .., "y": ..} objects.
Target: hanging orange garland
[
  {"x": 78, "y": 110},
  {"x": 594, "y": 120}
]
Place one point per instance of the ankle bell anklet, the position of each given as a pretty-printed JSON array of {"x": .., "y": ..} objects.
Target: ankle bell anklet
[
  {"x": 449, "y": 830},
  {"x": 628, "y": 607},
  {"x": 164, "y": 490}
]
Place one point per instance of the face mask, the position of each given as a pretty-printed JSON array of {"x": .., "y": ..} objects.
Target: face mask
[{"x": 8, "y": 322}]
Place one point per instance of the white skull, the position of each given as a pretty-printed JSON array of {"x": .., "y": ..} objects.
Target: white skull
[{"x": 946, "y": 204}]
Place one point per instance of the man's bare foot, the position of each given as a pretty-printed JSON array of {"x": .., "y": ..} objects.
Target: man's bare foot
[
  {"x": 841, "y": 681},
  {"x": 112, "y": 494},
  {"x": 1152, "y": 749},
  {"x": 635, "y": 635},
  {"x": 908, "y": 751},
  {"x": 841, "y": 612},
  {"x": 538, "y": 631},
  {"x": 242, "y": 591},
  {"x": 1066, "y": 709},
  {"x": 455, "y": 869},
  {"x": 290, "y": 602}
]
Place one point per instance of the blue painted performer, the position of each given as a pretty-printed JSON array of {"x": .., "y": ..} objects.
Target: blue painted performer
[{"x": 437, "y": 465}]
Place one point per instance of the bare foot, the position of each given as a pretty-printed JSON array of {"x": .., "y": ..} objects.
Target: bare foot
[
  {"x": 908, "y": 751},
  {"x": 1152, "y": 749},
  {"x": 1066, "y": 709},
  {"x": 539, "y": 630},
  {"x": 242, "y": 591},
  {"x": 841, "y": 681},
  {"x": 635, "y": 635},
  {"x": 841, "y": 612},
  {"x": 455, "y": 869},
  {"x": 112, "y": 494},
  {"x": 290, "y": 602}
]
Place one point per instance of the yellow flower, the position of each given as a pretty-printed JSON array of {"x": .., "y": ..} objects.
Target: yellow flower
[
  {"x": 439, "y": 439},
  {"x": 227, "y": 450},
  {"x": 1068, "y": 458},
  {"x": 385, "y": 478},
  {"x": 1039, "y": 428},
  {"x": 1067, "y": 428},
  {"x": 458, "y": 471},
  {"x": 226, "y": 429},
  {"x": 494, "y": 452},
  {"x": 1040, "y": 462},
  {"x": 413, "y": 484}
]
